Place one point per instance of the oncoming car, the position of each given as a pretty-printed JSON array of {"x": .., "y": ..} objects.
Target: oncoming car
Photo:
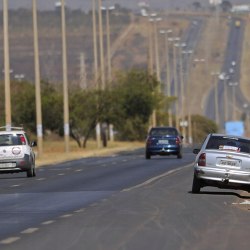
[
  {"x": 223, "y": 161},
  {"x": 16, "y": 153},
  {"x": 163, "y": 141}
]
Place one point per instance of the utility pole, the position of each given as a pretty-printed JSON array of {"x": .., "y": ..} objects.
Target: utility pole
[
  {"x": 39, "y": 126},
  {"x": 216, "y": 106},
  {"x": 101, "y": 45},
  {"x": 83, "y": 74},
  {"x": 95, "y": 42},
  {"x": 6, "y": 66},
  {"x": 168, "y": 79},
  {"x": 65, "y": 79}
]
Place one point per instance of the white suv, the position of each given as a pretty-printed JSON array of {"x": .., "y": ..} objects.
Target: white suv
[{"x": 16, "y": 153}]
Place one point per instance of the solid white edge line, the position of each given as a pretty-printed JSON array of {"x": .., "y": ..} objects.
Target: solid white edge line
[{"x": 157, "y": 177}]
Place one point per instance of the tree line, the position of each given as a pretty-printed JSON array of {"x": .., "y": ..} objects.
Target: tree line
[{"x": 127, "y": 105}]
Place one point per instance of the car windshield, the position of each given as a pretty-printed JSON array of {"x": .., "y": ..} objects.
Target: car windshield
[
  {"x": 163, "y": 131},
  {"x": 12, "y": 139},
  {"x": 228, "y": 143}
]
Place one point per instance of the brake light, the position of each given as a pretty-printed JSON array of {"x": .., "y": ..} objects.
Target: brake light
[
  {"x": 22, "y": 138},
  {"x": 202, "y": 160},
  {"x": 177, "y": 141},
  {"x": 149, "y": 141}
]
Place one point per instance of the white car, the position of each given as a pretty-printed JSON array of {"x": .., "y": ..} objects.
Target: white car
[
  {"x": 16, "y": 153},
  {"x": 223, "y": 161}
]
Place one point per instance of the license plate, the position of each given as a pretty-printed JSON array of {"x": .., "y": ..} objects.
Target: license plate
[
  {"x": 7, "y": 165},
  {"x": 228, "y": 163},
  {"x": 163, "y": 141}
]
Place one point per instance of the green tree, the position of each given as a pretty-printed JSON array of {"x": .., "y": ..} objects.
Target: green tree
[{"x": 201, "y": 127}]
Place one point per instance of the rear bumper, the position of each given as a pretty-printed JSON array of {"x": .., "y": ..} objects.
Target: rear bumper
[
  {"x": 222, "y": 177},
  {"x": 18, "y": 165},
  {"x": 163, "y": 151}
]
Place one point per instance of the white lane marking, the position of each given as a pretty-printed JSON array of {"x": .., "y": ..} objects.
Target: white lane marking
[
  {"x": 9, "y": 240},
  {"x": 78, "y": 170},
  {"x": 66, "y": 215},
  {"x": 30, "y": 230},
  {"x": 124, "y": 160},
  {"x": 47, "y": 222},
  {"x": 15, "y": 186},
  {"x": 157, "y": 178},
  {"x": 62, "y": 174},
  {"x": 80, "y": 210},
  {"x": 41, "y": 179},
  {"x": 245, "y": 202}
]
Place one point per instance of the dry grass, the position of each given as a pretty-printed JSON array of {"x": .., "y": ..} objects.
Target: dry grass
[
  {"x": 54, "y": 151},
  {"x": 212, "y": 50}
]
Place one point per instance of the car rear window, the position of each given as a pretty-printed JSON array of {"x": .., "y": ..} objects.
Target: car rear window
[
  {"x": 163, "y": 131},
  {"x": 229, "y": 143},
  {"x": 12, "y": 139}
]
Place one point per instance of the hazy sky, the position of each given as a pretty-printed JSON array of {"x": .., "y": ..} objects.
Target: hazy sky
[{"x": 86, "y": 4}]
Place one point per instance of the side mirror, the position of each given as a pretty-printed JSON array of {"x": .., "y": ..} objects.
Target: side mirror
[
  {"x": 196, "y": 151},
  {"x": 33, "y": 144}
]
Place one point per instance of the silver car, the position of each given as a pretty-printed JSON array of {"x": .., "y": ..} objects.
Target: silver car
[
  {"x": 16, "y": 153},
  {"x": 223, "y": 161}
]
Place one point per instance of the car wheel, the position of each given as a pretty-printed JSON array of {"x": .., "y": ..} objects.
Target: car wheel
[
  {"x": 30, "y": 172},
  {"x": 196, "y": 185},
  {"x": 147, "y": 155}
]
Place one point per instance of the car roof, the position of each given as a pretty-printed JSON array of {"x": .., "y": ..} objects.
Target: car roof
[
  {"x": 12, "y": 132},
  {"x": 231, "y": 136}
]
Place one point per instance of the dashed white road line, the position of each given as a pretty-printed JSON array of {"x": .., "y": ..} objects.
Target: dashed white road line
[
  {"x": 15, "y": 186},
  {"x": 30, "y": 230},
  {"x": 62, "y": 174},
  {"x": 9, "y": 240},
  {"x": 80, "y": 210},
  {"x": 78, "y": 170},
  {"x": 66, "y": 215},
  {"x": 48, "y": 222},
  {"x": 41, "y": 179}
]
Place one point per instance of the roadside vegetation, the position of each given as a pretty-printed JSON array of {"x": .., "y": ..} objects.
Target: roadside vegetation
[{"x": 128, "y": 106}]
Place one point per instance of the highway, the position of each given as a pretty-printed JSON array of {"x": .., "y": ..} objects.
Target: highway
[
  {"x": 232, "y": 54},
  {"x": 122, "y": 201}
]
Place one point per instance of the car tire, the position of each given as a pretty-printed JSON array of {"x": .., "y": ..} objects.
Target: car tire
[
  {"x": 196, "y": 185},
  {"x": 147, "y": 155},
  {"x": 30, "y": 173}
]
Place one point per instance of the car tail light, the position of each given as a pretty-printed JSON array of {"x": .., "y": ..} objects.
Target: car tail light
[
  {"x": 202, "y": 160},
  {"x": 22, "y": 138},
  {"x": 178, "y": 141},
  {"x": 149, "y": 141}
]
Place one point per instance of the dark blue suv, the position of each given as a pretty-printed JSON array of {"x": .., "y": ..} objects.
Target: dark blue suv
[{"x": 163, "y": 141}]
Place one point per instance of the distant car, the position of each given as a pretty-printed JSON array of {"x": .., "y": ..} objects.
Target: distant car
[
  {"x": 223, "y": 161},
  {"x": 163, "y": 141},
  {"x": 16, "y": 153}
]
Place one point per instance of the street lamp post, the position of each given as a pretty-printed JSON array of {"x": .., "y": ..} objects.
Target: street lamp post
[
  {"x": 216, "y": 106},
  {"x": 95, "y": 42},
  {"x": 37, "y": 83},
  {"x": 65, "y": 79},
  {"x": 108, "y": 9},
  {"x": 168, "y": 79},
  {"x": 180, "y": 46},
  {"x": 6, "y": 66},
  {"x": 101, "y": 45}
]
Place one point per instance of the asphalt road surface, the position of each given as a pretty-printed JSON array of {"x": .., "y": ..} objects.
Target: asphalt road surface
[{"x": 120, "y": 202}]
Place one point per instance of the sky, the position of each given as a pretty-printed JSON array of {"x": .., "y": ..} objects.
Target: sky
[{"x": 132, "y": 4}]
